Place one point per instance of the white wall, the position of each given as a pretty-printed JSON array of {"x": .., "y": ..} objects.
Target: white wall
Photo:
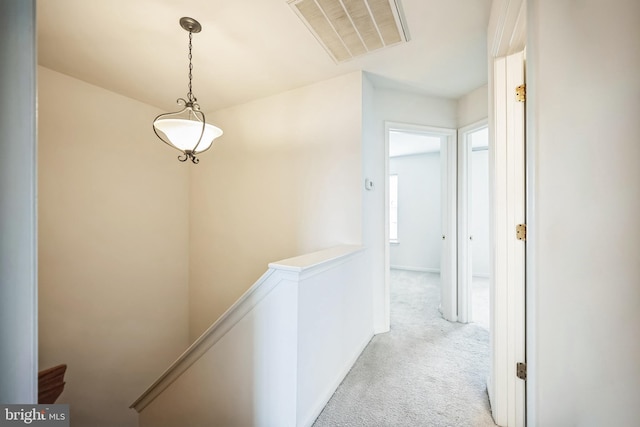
[
  {"x": 471, "y": 109},
  {"x": 18, "y": 240},
  {"x": 246, "y": 378},
  {"x": 113, "y": 248},
  {"x": 382, "y": 105},
  {"x": 335, "y": 322},
  {"x": 373, "y": 208},
  {"x": 584, "y": 184},
  {"x": 284, "y": 180},
  {"x": 413, "y": 108},
  {"x": 473, "y": 106},
  {"x": 480, "y": 212},
  {"x": 395, "y": 106},
  {"x": 279, "y": 356},
  {"x": 419, "y": 244}
]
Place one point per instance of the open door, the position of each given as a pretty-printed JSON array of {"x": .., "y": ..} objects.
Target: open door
[
  {"x": 508, "y": 370},
  {"x": 448, "y": 205},
  {"x": 471, "y": 138}
]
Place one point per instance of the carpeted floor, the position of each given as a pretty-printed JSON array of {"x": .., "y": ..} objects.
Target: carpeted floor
[
  {"x": 424, "y": 372},
  {"x": 480, "y": 301}
]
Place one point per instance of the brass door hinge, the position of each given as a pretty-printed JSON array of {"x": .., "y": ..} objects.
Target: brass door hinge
[
  {"x": 521, "y": 232},
  {"x": 521, "y": 93},
  {"x": 521, "y": 370}
]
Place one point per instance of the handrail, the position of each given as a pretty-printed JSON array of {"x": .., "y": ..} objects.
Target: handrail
[{"x": 304, "y": 266}]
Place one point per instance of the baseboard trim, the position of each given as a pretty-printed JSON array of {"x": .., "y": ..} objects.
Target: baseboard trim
[{"x": 324, "y": 399}]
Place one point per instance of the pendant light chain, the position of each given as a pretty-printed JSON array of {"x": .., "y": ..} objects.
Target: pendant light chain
[
  {"x": 190, "y": 96},
  {"x": 187, "y": 130}
]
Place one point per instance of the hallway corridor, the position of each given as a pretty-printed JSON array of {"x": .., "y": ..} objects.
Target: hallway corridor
[{"x": 424, "y": 372}]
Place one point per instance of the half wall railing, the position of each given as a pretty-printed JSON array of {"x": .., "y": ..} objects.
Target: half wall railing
[{"x": 277, "y": 355}]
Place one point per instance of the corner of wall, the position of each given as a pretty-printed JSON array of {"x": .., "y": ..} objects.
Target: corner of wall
[{"x": 473, "y": 106}]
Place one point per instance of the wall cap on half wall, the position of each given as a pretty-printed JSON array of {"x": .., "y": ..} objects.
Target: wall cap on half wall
[
  {"x": 315, "y": 259},
  {"x": 291, "y": 269}
]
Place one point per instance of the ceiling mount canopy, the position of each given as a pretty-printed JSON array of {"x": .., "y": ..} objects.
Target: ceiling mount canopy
[
  {"x": 190, "y": 24},
  {"x": 186, "y": 130}
]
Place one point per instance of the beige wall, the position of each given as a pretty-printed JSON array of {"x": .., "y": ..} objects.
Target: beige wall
[
  {"x": 113, "y": 248},
  {"x": 284, "y": 180}
]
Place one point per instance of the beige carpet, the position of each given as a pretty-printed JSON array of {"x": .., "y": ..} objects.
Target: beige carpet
[{"x": 424, "y": 372}]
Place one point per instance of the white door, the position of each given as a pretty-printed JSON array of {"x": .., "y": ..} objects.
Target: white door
[
  {"x": 448, "y": 260},
  {"x": 507, "y": 391},
  {"x": 470, "y": 138}
]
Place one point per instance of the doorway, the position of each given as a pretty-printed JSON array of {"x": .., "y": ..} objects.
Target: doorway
[
  {"x": 473, "y": 224},
  {"x": 414, "y": 201},
  {"x": 425, "y": 232},
  {"x": 422, "y": 211}
]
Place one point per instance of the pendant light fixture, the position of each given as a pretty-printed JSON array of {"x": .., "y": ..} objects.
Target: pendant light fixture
[{"x": 187, "y": 130}]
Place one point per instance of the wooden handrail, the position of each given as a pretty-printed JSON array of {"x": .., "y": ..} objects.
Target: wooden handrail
[{"x": 51, "y": 384}]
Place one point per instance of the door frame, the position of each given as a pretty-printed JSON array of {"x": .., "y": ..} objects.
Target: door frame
[
  {"x": 465, "y": 219},
  {"x": 448, "y": 159},
  {"x": 509, "y": 401},
  {"x": 507, "y": 168},
  {"x": 19, "y": 205}
]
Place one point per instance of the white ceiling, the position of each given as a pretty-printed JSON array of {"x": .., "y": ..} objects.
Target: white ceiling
[
  {"x": 249, "y": 49},
  {"x": 403, "y": 143}
]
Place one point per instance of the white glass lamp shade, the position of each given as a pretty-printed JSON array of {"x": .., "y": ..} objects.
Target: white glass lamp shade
[{"x": 184, "y": 134}]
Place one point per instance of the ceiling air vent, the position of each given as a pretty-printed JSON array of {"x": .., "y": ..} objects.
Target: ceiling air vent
[{"x": 350, "y": 28}]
